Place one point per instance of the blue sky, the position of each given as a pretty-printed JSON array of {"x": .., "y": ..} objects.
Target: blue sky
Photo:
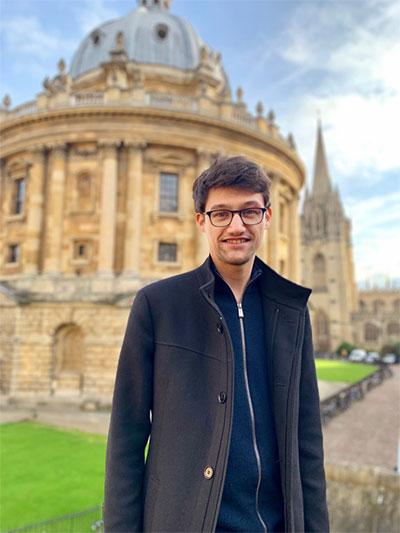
[{"x": 341, "y": 58}]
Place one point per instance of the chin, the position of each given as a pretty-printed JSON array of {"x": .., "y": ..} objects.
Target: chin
[{"x": 231, "y": 260}]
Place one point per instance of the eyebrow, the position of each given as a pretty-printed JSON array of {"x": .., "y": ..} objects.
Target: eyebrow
[{"x": 249, "y": 203}]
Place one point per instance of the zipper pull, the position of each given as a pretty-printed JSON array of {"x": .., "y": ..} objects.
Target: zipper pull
[{"x": 240, "y": 310}]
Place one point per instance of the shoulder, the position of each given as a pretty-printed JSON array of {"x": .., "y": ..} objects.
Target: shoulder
[
  {"x": 170, "y": 286},
  {"x": 281, "y": 289}
]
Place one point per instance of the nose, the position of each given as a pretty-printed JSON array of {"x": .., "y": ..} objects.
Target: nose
[{"x": 236, "y": 222}]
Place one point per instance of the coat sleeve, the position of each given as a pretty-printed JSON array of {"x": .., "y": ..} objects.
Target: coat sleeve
[
  {"x": 310, "y": 442},
  {"x": 130, "y": 423}
]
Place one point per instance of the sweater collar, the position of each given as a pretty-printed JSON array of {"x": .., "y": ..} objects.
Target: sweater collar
[{"x": 273, "y": 285}]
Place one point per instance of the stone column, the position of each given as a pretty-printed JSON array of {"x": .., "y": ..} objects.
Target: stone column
[
  {"x": 55, "y": 209},
  {"x": 33, "y": 243},
  {"x": 294, "y": 239},
  {"x": 201, "y": 243},
  {"x": 133, "y": 231},
  {"x": 273, "y": 236},
  {"x": 108, "y": 209}
]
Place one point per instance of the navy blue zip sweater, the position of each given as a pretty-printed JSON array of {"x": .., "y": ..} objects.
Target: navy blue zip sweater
[{"x": 238, "y": 510}]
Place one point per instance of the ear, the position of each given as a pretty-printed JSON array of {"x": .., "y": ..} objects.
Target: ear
[
  {"x": 267, "y": 217},
  {"x": 200, "y": 221}
]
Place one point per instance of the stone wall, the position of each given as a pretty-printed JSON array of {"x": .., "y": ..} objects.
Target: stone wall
[{"x": 363, "y": 499}]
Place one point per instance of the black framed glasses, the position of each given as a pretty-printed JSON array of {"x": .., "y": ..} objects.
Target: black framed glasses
[{"x": 223, "y": 217}]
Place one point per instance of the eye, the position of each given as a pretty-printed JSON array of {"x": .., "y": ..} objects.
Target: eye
[
  {"x": 251, "y": 212},
  {"x": 221, "y": 215}
]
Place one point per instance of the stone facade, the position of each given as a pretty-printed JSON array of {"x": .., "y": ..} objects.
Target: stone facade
[
  {"x": 83, "y": 226},
  {"x": 377, "y": 319},
  {"x": 327, "y": 258},
  {"x": 339, "y": 312}
]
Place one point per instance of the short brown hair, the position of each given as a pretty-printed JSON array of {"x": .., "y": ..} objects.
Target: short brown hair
[{"x": 237, "y": 172}]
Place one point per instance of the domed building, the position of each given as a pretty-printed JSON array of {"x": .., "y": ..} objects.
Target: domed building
[{"x": 96, "y": 177}]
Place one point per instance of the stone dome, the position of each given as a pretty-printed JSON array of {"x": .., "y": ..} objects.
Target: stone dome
[{"x": 150, "y": 34}]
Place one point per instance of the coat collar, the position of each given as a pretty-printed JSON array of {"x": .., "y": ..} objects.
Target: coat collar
[{"x": 273, "y": 285}]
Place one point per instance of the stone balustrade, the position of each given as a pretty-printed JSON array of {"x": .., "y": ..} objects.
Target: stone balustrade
[{"x": 231, "y": 113}]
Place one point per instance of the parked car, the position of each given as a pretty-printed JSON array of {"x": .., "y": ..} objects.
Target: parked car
[
  {"x": 357, "y": 355},
  {"x": 389, "y": 358},
  {"x": 372, "y": 357}
]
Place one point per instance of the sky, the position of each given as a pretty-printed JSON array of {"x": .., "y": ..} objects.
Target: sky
[{"x": 338, "y": 59}]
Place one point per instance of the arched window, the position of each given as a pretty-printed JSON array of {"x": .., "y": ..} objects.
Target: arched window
[
  {"x": 319, "y": 273},
  {"x": 371, "y": 332},
  {"x": 84, "y": 191},
  {"x": 378, "y": 306},
  {"x": 321, "y": 330},
  {"x": 68, "y": 358},
  {"x": 393, "y": 329}
]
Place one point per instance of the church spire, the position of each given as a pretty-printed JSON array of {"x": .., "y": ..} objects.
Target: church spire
[{"x": 322, "y": 181}]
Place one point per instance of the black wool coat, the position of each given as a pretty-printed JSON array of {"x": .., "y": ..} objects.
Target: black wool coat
[{"x": 176, "y": 363}]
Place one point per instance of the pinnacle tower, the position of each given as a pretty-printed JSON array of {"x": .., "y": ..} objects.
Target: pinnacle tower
[{"x": 321, "y": 180}]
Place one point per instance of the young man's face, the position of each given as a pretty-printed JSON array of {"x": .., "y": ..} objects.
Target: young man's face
[{"x": 237, "y": 243}]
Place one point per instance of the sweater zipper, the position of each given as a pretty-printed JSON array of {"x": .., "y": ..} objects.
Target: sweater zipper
[{"x": 251, "y": 409}]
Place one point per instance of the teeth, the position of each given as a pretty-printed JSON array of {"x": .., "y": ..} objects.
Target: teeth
[{"x": 236, "y": 241}]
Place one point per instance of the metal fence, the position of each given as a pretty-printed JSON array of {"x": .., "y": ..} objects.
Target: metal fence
[
  {"x": 342, "y": 400},
  {"x": 85, "y": 521}
]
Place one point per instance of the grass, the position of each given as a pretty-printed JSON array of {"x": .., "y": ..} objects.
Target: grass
[
  {"x": 329, "y": 370},
  {"x": 48, "y": 472}
]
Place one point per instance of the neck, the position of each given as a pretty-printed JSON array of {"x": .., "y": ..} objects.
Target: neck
[{"x": 236, "y": 276}]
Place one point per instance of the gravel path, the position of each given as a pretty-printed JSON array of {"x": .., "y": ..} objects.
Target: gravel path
[{"x": 368, "y": 432}]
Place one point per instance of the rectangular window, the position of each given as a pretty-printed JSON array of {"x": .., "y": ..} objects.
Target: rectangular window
[
  {"x": 167, "y": 252},
  {"x": 18, "y": 196},
  {"x": 81, "y": 250},
  {"x": 168, "y": 193},
  {"x": 13, "y": 253}
]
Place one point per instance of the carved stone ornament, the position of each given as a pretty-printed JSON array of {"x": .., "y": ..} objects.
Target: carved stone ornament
[
  {"x": 135, "y": 145},
  {"x": 271, "y": 117},
  {"x": 259, "y": 109},
  {"x": 57, "y": 84},
  {"x": 109, "y": 147},
  {"x": 203, "y": 54},
  {"x": 6, "y": 101},
  {"x": 290, "y": 140},
  {"x": 239, "y": 95}
]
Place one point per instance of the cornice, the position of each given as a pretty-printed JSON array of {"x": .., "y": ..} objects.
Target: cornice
[
  {"x": 150, "y": 112},
  {"x": 186, "y": 117}
]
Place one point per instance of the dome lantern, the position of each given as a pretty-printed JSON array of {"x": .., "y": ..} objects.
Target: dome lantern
[{"x": 155, "y": 4}]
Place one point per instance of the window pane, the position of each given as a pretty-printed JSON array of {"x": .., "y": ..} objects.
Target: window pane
[
  {"x": 13, "y": 253},
  {"x": 167, "y": 252},
  {"x": 19, "y": 196},
  {"x": 168, "y": 192}
]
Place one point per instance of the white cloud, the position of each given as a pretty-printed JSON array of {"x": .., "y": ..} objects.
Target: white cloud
[
  {"x": 375, "y": 223},
  {"x": 26, "y": 36},
  {"x": 354, "y": 66}
]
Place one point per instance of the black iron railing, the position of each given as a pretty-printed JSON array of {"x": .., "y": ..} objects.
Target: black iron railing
[
  {"x": 342, "y": 400},
  {"x": 90, "y": 520}
]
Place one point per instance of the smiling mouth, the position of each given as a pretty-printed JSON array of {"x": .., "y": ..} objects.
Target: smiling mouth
[{"x": 236, "y": 241}]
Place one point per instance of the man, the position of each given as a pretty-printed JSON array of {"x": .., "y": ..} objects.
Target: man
[{"x": 221, "y": 357}]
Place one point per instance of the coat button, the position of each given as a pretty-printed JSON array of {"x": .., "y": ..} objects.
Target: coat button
[
  {"x": 222, "y": 397},
  {"x": 208, "y": 472},
  {"x": 220, "y": 329}
]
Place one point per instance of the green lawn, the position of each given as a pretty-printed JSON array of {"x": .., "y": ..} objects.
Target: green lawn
[
  {"x": 329, "y": 370},
  {"x": 47, "y": 472}
]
